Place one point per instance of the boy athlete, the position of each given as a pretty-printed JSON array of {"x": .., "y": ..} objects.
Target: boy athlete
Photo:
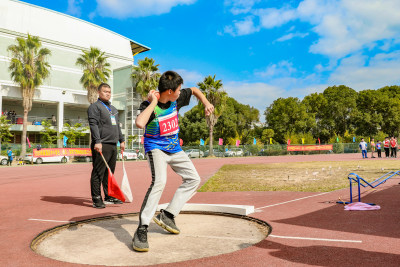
[{"x": 159, "y": 117}]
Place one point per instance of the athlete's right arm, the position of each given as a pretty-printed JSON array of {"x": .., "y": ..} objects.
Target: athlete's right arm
[{"x": 144, "y": 116}]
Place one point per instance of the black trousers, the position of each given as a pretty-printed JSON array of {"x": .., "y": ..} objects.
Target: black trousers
[
  {"x": 379, "y": 153},
  {"x": 393, "y": 152},
  {"x": 100, "y": 172},
  {"x": 387, "y": 152}
]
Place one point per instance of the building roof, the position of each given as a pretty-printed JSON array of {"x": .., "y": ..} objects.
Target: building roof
[{"x": 25, "y": 18}]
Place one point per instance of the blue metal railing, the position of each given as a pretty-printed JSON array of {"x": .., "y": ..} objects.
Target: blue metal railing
[{"x": 353, "y": 177}]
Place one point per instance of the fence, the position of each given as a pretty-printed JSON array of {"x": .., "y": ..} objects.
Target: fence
[
  {"x": 226, "y": 150},
  {"x": 267, "y": 150}
]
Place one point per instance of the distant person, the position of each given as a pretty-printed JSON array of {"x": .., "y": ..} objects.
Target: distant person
[
  {"x": 53, "y": 120},
  {"x": 8, "y": 115},
  {"x": 393, "y": 147},
  {"x": 373, "y": 147},
  {"x": 13, "y": 117},
  {"x": 379, "y": 148},
  {"x": 386, "y": 146},
  {"x": 106, "y": 133},
  {"x": 363, "y": 146},
  {"x": 10, "y": 156}
]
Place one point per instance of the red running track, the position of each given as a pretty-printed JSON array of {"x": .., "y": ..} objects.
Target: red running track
[{"x": 309, "y": 229}]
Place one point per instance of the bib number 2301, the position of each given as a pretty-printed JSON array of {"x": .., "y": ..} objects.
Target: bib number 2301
[{"x": 169, "y": 124}]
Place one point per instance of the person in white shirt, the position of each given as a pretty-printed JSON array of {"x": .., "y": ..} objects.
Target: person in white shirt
[{"x": 363, "y": 146}]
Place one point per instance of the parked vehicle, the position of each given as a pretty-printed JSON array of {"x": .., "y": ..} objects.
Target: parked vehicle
[
  {"x": 40, "y": 160},
  {"x": 216, "y": 153},
  {"x": 234, "y": 152},
  {"x": 3, "y": 160},
  {"x": 194, "y": 153}
]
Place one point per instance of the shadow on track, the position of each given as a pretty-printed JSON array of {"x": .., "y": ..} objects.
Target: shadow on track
[{"x": 329, "y": 256}]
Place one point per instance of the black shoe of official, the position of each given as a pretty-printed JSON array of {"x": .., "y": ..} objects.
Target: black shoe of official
[
  {"x": 98, "y": 203},
  {"x": 112, "y": 200},
  {"x": 139, "y": 242},
  {"x": 167, "y": 222}
]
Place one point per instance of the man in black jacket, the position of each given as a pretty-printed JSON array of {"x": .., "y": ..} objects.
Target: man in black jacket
[{"x": 106, "y": 132}]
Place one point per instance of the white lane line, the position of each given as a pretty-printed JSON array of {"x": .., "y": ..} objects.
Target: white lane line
[
  {"x": 317, "y": 239},
  {"x": 42, "y": 220},
  {"x": 224, "y": 238},
  {"x": 277, "y": 204}
]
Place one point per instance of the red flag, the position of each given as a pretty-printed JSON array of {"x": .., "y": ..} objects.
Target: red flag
[
  {"x": 288, "y": 142},
  {"x": 319, "y": 141},
  {"x": 29, "y": 143},
  {"x": 180, "y": 141},
  {"x": 113, "y": 187}
]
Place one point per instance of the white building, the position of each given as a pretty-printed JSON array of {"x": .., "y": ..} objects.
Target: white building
[{"x": 62, "y": 95}]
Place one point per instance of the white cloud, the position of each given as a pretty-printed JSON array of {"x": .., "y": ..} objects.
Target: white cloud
[
  {"x": 272, "y": 17},
  {"x": 291, "y": 35},
  {"x": 240, "y": 6},
  {"x": 381, "y": 70},
  {"x": 343, "y": 26},
  {"x": 244, "y": 27},
  {"x": 74, "y": 8},
  {"x": 283, "y": 68},
  {"x": 137, "y": 8},
  {"x": 258, "y": 95}
]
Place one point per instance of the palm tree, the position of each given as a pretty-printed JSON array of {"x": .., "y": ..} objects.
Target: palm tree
[
  {"x": 29, "y": 67},
  {"x": 145, "y": 76},
  {"x": 95, "y": 71},
  {"x": 213, "y": 91}
]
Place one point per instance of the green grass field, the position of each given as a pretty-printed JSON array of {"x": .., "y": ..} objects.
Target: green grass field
[{"x": 297, "y": 176}]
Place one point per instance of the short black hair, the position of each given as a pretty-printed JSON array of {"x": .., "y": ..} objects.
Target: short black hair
[
  {"x": 169, "y": 80},
  {"x": 103, "y": 85}
]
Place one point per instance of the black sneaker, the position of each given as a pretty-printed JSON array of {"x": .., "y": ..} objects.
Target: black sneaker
[
  {"x": 98, "y": 204},
  {"x": 167, "y": 222},
  {"x": 139, "y": 242},
  {"x": 112, "y": 200}
]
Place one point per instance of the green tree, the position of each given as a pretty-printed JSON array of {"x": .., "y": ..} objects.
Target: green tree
[
  {"x": 288, "y": 116},
  {"x": 49, "y": 134},
  {"x": 73, "y": 132},
  {"x": 215, "y": 94},
  {"x": 389, "y": 109},
  {"x": 193, "y": 126},
  {"x": 5, "y": 134},
  {"x": 96, "y": 70},
  {"x": 366, "y": 119},
  {"x": 237, "y": 120},
  {"x": 340, "y": 108},
  {"x": 266, "y": 135},
  {"x": 145, "y": 76},
  {"x": 29, "y": 68},
  {"x": 316, "y": 105}
]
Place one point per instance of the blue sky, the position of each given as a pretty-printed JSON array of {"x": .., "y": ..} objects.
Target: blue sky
[{"x": 261, "y": 50}]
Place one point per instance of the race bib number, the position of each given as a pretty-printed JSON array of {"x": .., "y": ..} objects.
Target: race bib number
[{"x": 168, "y": 124}]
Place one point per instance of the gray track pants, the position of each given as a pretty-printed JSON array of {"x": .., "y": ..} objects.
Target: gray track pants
[{"x": 182, "y": 165}]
